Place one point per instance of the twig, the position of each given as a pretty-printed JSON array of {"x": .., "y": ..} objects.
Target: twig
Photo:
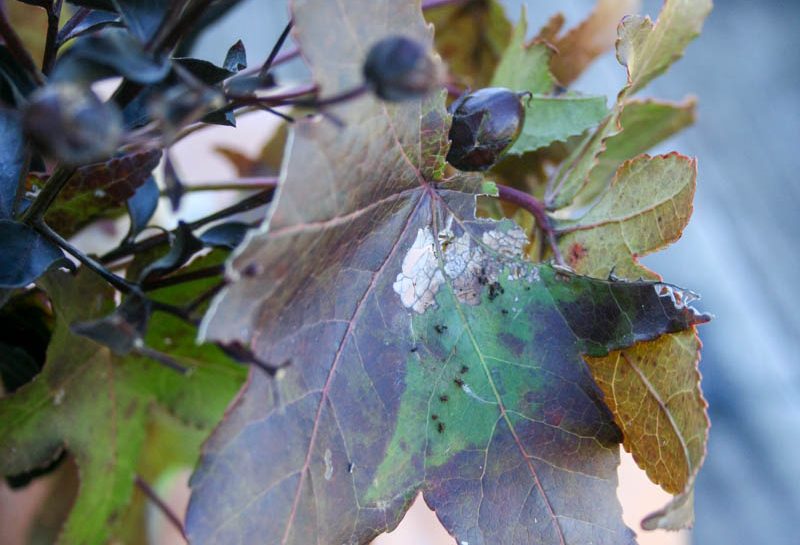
[
  {"x": 51, "y": 42},
  {"x": 55, "y": 183},
  {"x": 117, "y": 281},
  {"x": 203, "y": 297},
  {"x": 197, "y": 274},
  {"x": 254, "y": 201},
  {"x": 16, "y": 48},
  {"x": 161, "y": 505},
  {"x": 240, "y": 184},
  {"x": 430, "y": 4},
  {"x": 275, "y": 49},
  {"x": 536, "y": 208}
]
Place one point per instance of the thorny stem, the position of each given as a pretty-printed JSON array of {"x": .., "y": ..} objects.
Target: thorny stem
[
  {"x": 16, "y": 48},
  {"x": 118, "y": 282},
  {"x": 537, "y": 210},
  {"x": 254, "y": 201},
  {"x": 171, "y": 516},
  {"x": 51, "y": 42}
]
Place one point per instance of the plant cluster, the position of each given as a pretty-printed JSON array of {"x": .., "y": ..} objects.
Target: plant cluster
[{"x": 444, "y": 296}]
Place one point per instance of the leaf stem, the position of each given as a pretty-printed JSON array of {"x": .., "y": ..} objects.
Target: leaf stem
[
  {"x": 275, "y": 49},
  {"x": 55, "y": 183},
  {"x": 16, "y": 47},
  {"x": 253, "y": 201},
  {"x": 165, "y": 509},
  {"x": 117, "y": 281},
  {"x": 51, "y": 41},
  {"x": 536, "y": 208},
  {"x": 240, "y": 184},
  {"x": 197, "y": 274},
  {"x": 71, "y": 24}
]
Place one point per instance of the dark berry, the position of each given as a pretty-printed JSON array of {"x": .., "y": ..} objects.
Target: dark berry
[
  {"x": 485, "y": 124},
  {"x": 398, "y": 68}
]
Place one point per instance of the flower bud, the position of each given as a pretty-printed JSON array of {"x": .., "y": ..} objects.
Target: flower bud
[
  {"x": 399, "y": 68},
  {"x": 70, "y": 123},
  {"x": 485, "y": 125}
]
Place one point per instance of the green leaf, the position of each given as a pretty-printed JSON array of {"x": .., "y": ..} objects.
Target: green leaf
[
  {"x": 548, "y": 118},
  {"x": 471, "y": 37},
  {"x": 647, "y": 50},
  {"x": 98, "y": 405},
  {"x": 551, "y": 119},
  {"x": 426, "y": 353},
  {"x": 100, "y": 190}
]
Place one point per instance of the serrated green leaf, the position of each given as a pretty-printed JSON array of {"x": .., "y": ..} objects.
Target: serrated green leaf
[
  {"x": 548, "y": 118},
  {"x": 647, "y": 50},
  {"x": 426, "y": 353}
]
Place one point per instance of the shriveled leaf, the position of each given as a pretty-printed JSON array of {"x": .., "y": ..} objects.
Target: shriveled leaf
[
  {"x": 581, "y": 45},
  {"x": 653, "y": 388},
  {"x": 548, "y": 118},
  {"x": 646, "y": 208},
  {"x": 12, "y": 157},
  {"x": 648, "y": 49},
  {"x": 653, "y": 48},
  {"x": 426, "y": 353},
  {"x": 98, "y": 405},
  {"x": 471, "y": 37},
  {"x": 24, "y": 254},
  {"x": 100, "y": 190},
  {"x": 268, "y": 161}
]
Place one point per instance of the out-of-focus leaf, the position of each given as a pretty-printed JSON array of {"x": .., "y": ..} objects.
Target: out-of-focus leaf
[
  {"x": 205, "y": 71},
  {"x": 12, "y": 157},
  {"x": 548, "y": 118},
  {"x": 97, "y": 404},
  {"x": 107, "y": 5},
  {"x": 236, "y": 58},
  {"x": 142, "y": 206},
  {"x": 172, "y": 184},
  {"x": 95, "y": 20},
  {"x": 471, "y": 37},
  {"x": 107, "y": 53},
  {"x": 576, "y": 49},
  {"x": 268, "y": 161},
  {"x": 659, "y": 408},
  {"x": 70, "y": 123},
  {"x": 122, "y": 330},
  {"x": 225, "y": 235},
  {"x": 100, "y": 190},
  {"x": 184, "y": 246},
  {"x": 651, "y": 49},
  {"x": 648, "y": 49},
  {"x": 24, "y": 254},
  {"x": 426, "y": 353},
  {"x": 142, "y": 17}
]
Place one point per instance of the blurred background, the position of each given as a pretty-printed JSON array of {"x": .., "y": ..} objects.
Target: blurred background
[{"x": 740, "y": 252}]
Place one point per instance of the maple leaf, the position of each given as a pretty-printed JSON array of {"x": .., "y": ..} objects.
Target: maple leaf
[{"x": 426, "y": 353}]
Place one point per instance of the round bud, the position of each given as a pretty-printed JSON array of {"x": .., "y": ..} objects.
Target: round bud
[
  {"x": 399, "y": 68},
  {"x": 70, "y": 123},
  {"x": 485, "y": 124}
]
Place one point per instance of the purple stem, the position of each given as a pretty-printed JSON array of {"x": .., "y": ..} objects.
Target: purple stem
[
  {"x": 536, "y": 208},
  {"x": 163, "y": 507}
]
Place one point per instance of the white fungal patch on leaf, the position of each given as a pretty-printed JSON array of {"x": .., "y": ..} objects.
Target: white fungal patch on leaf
[
  {"x": 328, "y": 459},
  {"x": 467, "y": 264}
]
